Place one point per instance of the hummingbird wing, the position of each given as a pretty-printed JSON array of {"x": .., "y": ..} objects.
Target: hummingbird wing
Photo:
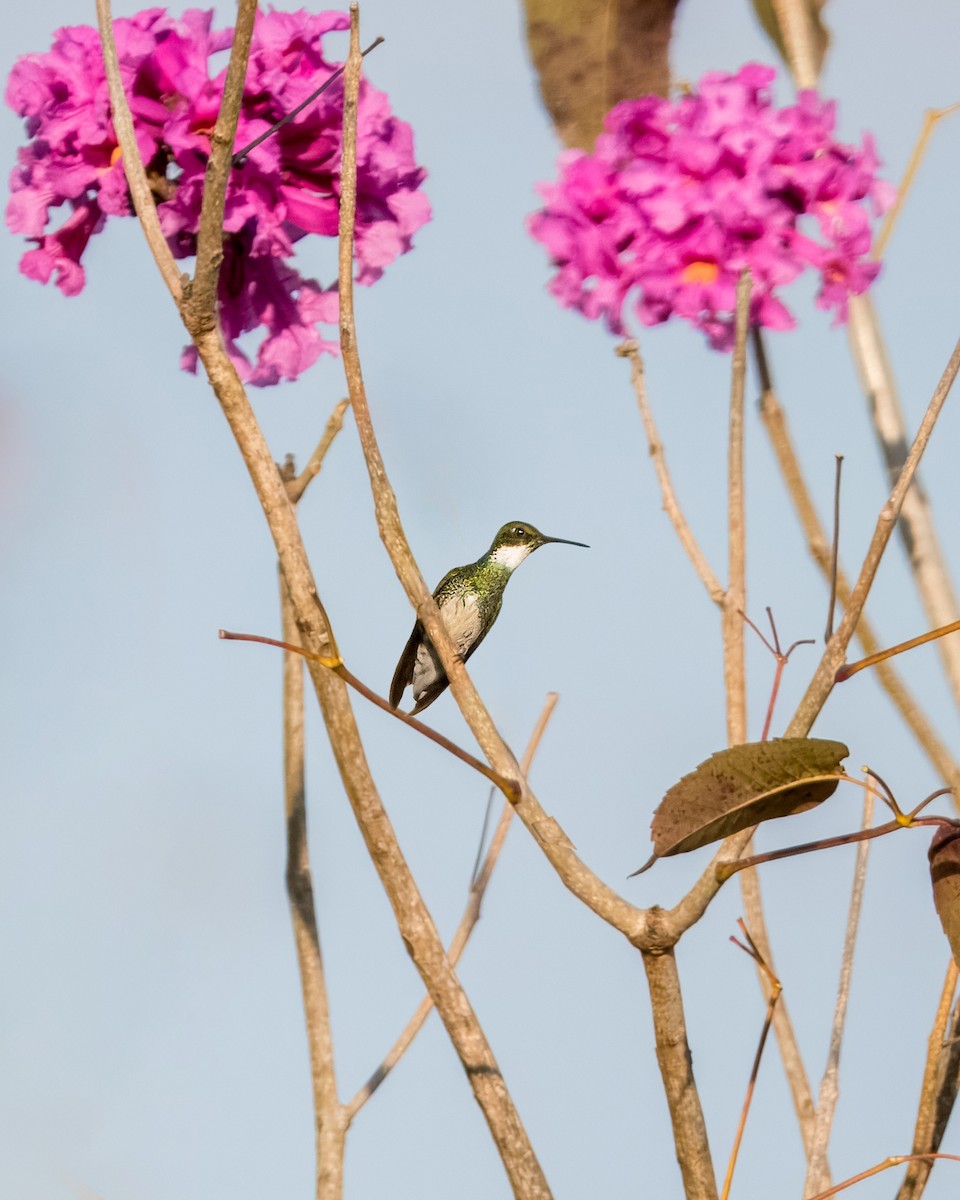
[
  {"x": 440, "y": 683},
  {"x": 403, "y": 675}
]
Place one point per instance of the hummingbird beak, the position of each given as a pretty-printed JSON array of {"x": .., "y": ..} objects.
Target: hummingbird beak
[{"x": 564, "y": 542}]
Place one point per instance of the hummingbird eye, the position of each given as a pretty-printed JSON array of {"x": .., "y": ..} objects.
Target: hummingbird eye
[{"x": 520, "y": 531}]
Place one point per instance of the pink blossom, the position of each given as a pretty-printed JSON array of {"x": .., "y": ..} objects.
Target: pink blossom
[
  {"x": 287, "y": 188},
  {"x": 679, "y": 197}
]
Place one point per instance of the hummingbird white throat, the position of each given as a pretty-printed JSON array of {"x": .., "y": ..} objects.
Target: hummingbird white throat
[{"x": 469, "y": 600}]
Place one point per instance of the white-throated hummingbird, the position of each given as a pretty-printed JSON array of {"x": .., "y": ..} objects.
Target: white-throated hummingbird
[{"x": 469, "y": 600}]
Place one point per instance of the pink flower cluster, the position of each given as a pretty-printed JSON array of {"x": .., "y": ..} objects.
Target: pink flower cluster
[
  {"x": 678, "y": 198},
  {"x": 286, "y": 188}
]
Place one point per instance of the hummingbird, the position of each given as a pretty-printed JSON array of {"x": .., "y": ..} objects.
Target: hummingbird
[{"x": 469, "y": 600}]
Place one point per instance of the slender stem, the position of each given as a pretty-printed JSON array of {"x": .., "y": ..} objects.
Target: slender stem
[
  {"x": 818, "y": 1176},
  {"x": 671, "y": 506},
  {"x": 788, "y": 1043},
  {"x": 735, "y": 596},
  {"x": 871, "y": 660},
  {"x": 895, "y": 1160},
  {"x": 776, "y": 991},
  {"x": 775, "y": 424},
  {"x": 296, "y": 487},
  {"x": 240, "y": 156},
  {"x": 834, "y": 550},
  {"x": 337, "y": 665},
  {"x": 200, "y": 299},
  {"x": 823, "y": 679},
  {"x": 468, "y": 923},
  {"x": 938, "y": 1091},
  {"x": 918, "y": 533},
  {"x": 931, "y": 118},
  {"x": 329, "y": 1117},
  {"x": 143, "y": 201}
]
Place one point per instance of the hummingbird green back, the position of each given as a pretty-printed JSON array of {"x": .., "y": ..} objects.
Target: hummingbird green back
[{"x": 469, "y": 599}]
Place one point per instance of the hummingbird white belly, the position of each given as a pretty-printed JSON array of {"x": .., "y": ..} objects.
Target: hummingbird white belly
[{"x": 461, "y": 615}]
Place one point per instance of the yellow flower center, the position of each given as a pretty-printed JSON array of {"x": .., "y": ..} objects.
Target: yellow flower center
[{"x": 700, "y": 271}]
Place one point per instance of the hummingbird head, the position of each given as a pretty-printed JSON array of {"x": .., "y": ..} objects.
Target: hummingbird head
[{"x": 517, "y": 539}]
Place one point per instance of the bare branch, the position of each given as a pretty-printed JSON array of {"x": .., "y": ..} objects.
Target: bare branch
[
  {"x": 140, "y": 192},
  {"x": 329, "y": 1117},
  {"x": 787, "y": 1042},
  {"x": 676, "y": 1070},
  {"x": 735, "y": 596},
  {"x": 818, "y": 1176},
  {"x": 775, "y": 424},
  {"x": 775, "y": 991},
  {"x": 200, "y": 300},
  {"x": 466, "y": 927},
  {"x": 916, "y": 527},
  {"x": 823, "y": 679},
  {"x": 671, "y": 506},
  {"x": 938, "y": 1092},
  {"x": 296, "y": 487}
]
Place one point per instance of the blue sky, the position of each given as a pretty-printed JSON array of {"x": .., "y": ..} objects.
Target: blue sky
[{"x": 151, "y": 1039}]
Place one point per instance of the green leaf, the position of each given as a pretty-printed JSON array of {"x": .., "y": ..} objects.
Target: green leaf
[
  {"x": 743, "y": 785},
  {"x": 944, "y": 855},
  {"x": 591, "y": 54}
]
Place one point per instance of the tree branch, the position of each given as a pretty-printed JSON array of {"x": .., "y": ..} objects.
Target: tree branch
[
  {"x": 833, "y": 656},
  {"x": 200, "y": 299},
  {"x": 330, "y": 1120},
  {"x": 297, "y": 486},
  {"x": 468, "y": 923},
  {"x": 775, "y": 423},
  {"x": 143, "y": 201},
  {"x": 938, "y": 1092},
  {"x": 818, "y": 1174},
  {"x": 671, "y": 506}
]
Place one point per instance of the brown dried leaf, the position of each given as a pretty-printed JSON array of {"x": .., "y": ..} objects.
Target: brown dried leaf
[
  {"x": 944, "y": 855},
  {"x": 743, "y": 785},
  {"x": 771, "y": 25},
  {"x": 591, "y": 54}
]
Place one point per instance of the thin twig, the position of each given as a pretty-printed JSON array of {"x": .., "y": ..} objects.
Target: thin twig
[
  {"x": 818, "y": 1176},
  {"x": 240, "y": 157},
  {"x": 775, "y": 992},
  {"x": 329, "y": 1117},
  {"x": 336, "y": 664},
  {"x": 788, "y": 1044},
  {"x": 823, "y": 679},
  {"x": 918, "y": 533},
  {"x": 938, "y": 1091},
  {"x": 200, "y": 298},
  {"x": 895, "y": 1160},
  {"x": 931, "y": 118},
  {"x": 468, "y": 923},
  {"x": 835, "y": 550},
  {"x": 775, "y": 424},
  {"x": 671, "y": 506},
  {"x": 735, "y": 596},
  {"x": 143, "y": 201},
  {"x": 296, "y": 487}
]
